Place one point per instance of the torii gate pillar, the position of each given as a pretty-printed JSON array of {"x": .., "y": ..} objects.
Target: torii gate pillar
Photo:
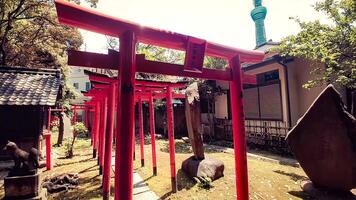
[
  {"x": 124, "y": 144},
  {"x": 140, "y": 128},
  {"x": 152, "y": 132},
  {"x": 238, "y": 127},
  {"x": 170, "y": 126}
]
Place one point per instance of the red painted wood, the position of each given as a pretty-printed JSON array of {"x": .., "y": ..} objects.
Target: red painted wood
[
  {"x": 95, "y": 78},
  {"x": 80, "y": 58},
  {"x": 170, "y": 127},
  {"x": 97, "y": 128},
  {"x": 147, "y": 66},
  {"x": 74, "y": 115},
  {"x": 238, "y": 128},
  {"x": 108, "y": 143},
  {"x": 103, "y": 126},
  {"x": 140, "y": 129},
  {"x": 100, "y": 86},
  {"x": 160, "y": 84},
  {"x": 48, "y": 151},
  {"x": 86, "y": 116},
  {"x": 152, "y": 132},
  {"x": 134, "y": 141},
  {"x": 89, "y": 19},
  {"x": 75, "y": 15},
  {"x": 124, "y": 145},
  {"x": 48, "y": 141}
]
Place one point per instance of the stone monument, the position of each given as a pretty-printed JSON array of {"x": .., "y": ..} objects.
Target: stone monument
[
  {"x": 198, "y": 166},
  {"x": 324, "y": 143}
]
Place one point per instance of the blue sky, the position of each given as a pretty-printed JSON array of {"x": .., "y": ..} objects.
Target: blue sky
[{"x": 222, "y": 21}]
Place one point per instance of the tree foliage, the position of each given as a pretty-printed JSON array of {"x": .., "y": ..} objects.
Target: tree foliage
[
  {"x": 332, "y": 44},
  {"x": 30, "y": 36}
]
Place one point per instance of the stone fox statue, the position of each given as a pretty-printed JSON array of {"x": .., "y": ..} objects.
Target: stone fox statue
[{"x": 23, "y": 160}]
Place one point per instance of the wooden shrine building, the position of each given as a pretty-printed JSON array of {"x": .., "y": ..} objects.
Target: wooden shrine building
[{"x": 25, "y": 96}]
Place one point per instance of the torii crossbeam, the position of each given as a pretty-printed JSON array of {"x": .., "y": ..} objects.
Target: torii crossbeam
[{"x": 130, "y": 34}]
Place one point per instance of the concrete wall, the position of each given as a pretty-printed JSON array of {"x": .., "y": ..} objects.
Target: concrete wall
[{"x": 300, "y": 98}]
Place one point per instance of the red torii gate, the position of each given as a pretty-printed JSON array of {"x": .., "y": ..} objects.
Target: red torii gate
[
  {"x": 48, "y": 136},
  {"x": 100, "y": 97},
  {"x": 147, "y": 91},
  {"x": 141, "y": 95},
  {"x": 130, "y": 34},
  {"x": 105, "y": 136}
]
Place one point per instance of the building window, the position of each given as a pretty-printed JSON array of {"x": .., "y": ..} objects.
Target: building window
[
  {"x": 76, "y": 85},
  {"x": 264, "y": 101},
  {"x": 87, "y": 86}
]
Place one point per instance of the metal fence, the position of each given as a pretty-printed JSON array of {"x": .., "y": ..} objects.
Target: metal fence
[{"x": 269, "y": 135}]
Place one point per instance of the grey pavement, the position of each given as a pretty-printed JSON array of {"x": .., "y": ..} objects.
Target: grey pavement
[{"x": 141, "y": 191}]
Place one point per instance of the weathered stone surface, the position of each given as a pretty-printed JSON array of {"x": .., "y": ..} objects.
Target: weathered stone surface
[
  {"x": 318, "y": 193},
  {"x": 324, "y": 143},
  {"x": 209, "y": 167},
  {"x": 186, "y": 139},
  {"x": 22, "y": 187}
]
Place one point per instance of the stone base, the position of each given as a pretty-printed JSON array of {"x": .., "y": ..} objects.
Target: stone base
[
  {"x": 322, "y": 193},
  {"x": 23, "y": 187},
  {"x": 42, "y": 196},
  {"x": 209, "y": 167}
]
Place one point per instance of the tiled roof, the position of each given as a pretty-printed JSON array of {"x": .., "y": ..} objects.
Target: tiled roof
[{"x": 23, "y": 86}]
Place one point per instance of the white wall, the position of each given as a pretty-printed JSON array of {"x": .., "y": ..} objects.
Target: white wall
[{"x": 77, "y": 76}]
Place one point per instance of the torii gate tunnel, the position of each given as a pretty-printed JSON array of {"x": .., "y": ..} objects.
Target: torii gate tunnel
[
  {"x": 144, "y": 91},
  {"x": 129, "y": 35}
]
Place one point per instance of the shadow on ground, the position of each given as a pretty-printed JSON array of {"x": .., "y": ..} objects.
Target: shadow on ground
[
  {"x": 293, "y": 176},
  {"x": 183, "y": 182},
  {"x": 324, "y": 195},
  {"x": 186, "y": 148}
]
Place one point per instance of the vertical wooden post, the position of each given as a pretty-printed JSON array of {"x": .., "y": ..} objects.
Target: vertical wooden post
[
  {"x": 238, "y": 127},
  {"x": 170, "y": 126},
  {"x": 108, "y": 146},
  {"x": 97, "y": 129},
  {"x": 152, "y": 131},
  {"x": 86, "y": 116},
  {"x": 133, "y": 138},
  {"x": 102, "y": 132},
  {"x": 140, "y": 128},
  {"x": 48, "y": 141},
  {"x": 124, "y": 144},
  {"x": 74, "y": 115}
]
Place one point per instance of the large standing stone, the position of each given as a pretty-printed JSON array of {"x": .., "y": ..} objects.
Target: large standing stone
[
  {"x": 193, "y": 118},
  {"x": 324, "y": 142},
  {"x": 209, "y": 167}
]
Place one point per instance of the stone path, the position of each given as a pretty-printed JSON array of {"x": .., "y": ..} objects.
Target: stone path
[{"x": 140, "y": 189}]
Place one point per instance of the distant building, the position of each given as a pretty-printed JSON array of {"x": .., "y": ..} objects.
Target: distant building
[
  {"x": 278, "y": 99},
  {"x": 80, "y": 81}
]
